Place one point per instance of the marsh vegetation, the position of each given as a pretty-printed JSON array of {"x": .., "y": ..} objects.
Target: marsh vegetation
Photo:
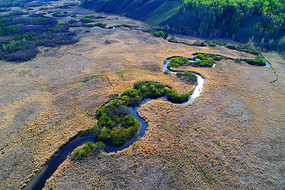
[{"x": 21, "y": 35}]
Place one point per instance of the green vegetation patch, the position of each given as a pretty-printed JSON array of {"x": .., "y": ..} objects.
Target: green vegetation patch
[
  {"x": 83, "y": 151},
  {"x": 160, "y": 34},
  {"x": 116, "y": 125},
  {"x": 86, "y": 20},
  {"x": 178, "y": 61},
  {"x": 174, "y": 97},
  {"x": 202, "y": 60},
  {"x": 21, "y": 35},
  {"x": 89, "y": 19},
  {"x": 101, "y": 25},
  {"x": 212, "y": 43},
  {"x": 206, "y": 60},
  {"x": 259, "y": 61}
]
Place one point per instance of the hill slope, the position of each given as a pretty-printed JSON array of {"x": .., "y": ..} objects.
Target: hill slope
[{"x": 261, "y": 21}]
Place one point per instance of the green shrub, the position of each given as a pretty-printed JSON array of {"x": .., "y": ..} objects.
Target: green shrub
[
  {"x": 104, "y": 135},
  {"x": 116, "y": 125},
  {"x": 259, "y": 61},
  {"x": 174, "y": 97},
  {"x": 178, "y": 61},
  {"x": 160, "y": 34},
  {"x": 102, "y": 25},
  {"x": 212, "y": 43},
  {"x": 206, "y": 60},
  {"x": 100, "y": 145},
  {"x": 207, "y": 63},
  {"x": 201, "y": 56},
  {"x": 86, "y": 20},
  {"x": 120, "y": 136},
  {"x": 91, "y": 145},
  {"x": 151, "y": 89},
  {"x": 88, "y": 131},
  {"x": 81, "y": 152},
  {"x": 250, "y": 51},
  {"x": 237, "y": 60},
  {"x": 230, "y": 46},
  {"x": 4, "y": 30}
]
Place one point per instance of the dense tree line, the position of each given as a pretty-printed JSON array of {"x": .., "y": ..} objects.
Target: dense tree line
[
  {"x": 224, "y": 17},
  {"x": 237, "y": 19}
]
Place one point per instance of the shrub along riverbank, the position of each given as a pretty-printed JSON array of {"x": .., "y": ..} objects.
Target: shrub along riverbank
[
  {"x": 208, "y": 60},
  {"x": 116, "y": 125},
  {"x": 201, "y": 60}
]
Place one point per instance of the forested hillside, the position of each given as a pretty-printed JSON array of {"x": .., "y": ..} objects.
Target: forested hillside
[{"x": 260, "y": 20}]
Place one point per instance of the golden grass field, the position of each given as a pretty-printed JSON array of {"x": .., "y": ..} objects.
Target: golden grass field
[{"x": 230, "y": 137}]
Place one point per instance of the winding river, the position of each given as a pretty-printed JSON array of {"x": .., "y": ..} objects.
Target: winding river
[{"x": 39, "y": 180}]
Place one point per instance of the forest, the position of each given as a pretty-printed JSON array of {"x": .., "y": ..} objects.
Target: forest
[
  {"x": 243, "y": 20},
  {"x": 224, "y": 18}
]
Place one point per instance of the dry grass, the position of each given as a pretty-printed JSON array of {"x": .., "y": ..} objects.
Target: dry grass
[{"x": 230, "y": 137}]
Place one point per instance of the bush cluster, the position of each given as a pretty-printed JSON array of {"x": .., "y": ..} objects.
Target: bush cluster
[
  {"x": 83, "y": 151},
  {"x": 86, "y": 20},
  {"x": 212, "y": 43},
  {"x": 259, "y": 61},
  {"x": 151, "y": 89},
  {"x": 116, "y": 125},
  {"x": 174, "y": 97},
  {"x": 207, "y": 60},
  {"x": 204, "y": 60},
  {"x": 178, "y": 61},
  {"x": 160, "y": 34}
]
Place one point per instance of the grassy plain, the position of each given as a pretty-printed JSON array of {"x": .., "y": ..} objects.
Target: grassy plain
[{"x": 232, "y": 136}]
